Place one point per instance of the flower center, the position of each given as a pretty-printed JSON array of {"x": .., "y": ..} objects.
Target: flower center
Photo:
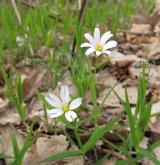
[
  {"x": 99, "y": 47},
  {"x": 66, "y": 108}
]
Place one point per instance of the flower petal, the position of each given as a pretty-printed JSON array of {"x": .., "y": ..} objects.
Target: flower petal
[
  {"x": 105, "y": 37},
  {"x": 55, "y": 113},
  {"x": 70, "y": 116},
  {"x": 107, "y": 52},
  {"x": 97, "y": 35},
  {"x": 98, "y": 53},
  {"x": 110, "y": 44},
  {"x": 75, "y": 103},
  {"x": 89, "y": 51},
  {"x": 89, "y": 38},
  {"x": 64, "y": 94},
  {"x": 86, "y": 45},
  {"x": 53, "y": 100}
]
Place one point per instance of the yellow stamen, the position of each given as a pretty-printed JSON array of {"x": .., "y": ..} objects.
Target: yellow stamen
[
  {"x": 66, "y": 108},
  {"x": 99, "y": 47}
]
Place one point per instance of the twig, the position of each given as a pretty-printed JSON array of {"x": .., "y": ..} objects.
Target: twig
[
  {"x": 16, "y": 12},
  {"x": 83, "y": 4}
]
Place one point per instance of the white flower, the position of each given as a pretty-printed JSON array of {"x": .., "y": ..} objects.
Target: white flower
[
  {"x": 98, "y": 43},
  {"x": 63, "y": 105},
  {"x": 21, "y": 40}
]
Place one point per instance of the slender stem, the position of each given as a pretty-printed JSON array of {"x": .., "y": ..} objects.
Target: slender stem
[
  {"x": 82, "y": 7},
  {"x": 95, "y": 108},
  {"x": 55, "y": 127},
  {"x": 78, "y": 138},
  {"x": 45, "y": 114},
  {"x": 79, "y": 142},
  {"x": 94, "y": 95},
  {"x": 16, "y": 12}
]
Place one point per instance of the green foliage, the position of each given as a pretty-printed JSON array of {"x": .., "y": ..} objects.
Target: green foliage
[
  {"x": 61, "y": 155},
  {"x": 81, "y": 75},
  {"x": 147, "y": 153},
  {"x": 15, "y": 96},
  {"x": 55, "y": 25},
  {"x": 138, "y": 122},
  {"x": 44, "y": 23},
  {"x": 97, "y": 134},
  {"x": 19, "y": 153},
  {"x": 42, "y": 98}
]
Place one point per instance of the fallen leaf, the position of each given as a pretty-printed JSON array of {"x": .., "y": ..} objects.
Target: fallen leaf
[
  {"x": 104, "y": 79},
  {"x": 155, "y": 109},
  {"x": 10, "y": 116},
  {"x": 141, "y": 17},
  {"x": 4, "y": 104},
  {"x": 5, "y": 140},
  {"x": 33, "y": 82},
  {"x": 122, "y": 60},
  {"x": 142, "y": 29},
  {"x": 73, "y": 160},
  {"x": 113, "y": 101},
  {"x": 50, "y": 145}
]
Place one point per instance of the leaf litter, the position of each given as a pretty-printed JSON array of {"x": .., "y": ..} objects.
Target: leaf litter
[{"x": 137, "y": 44}]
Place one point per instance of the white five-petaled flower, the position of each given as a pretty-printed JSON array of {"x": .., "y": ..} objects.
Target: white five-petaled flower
[
  {"x": 98, "y": 44},
  {"x": 63, "y": 105}
]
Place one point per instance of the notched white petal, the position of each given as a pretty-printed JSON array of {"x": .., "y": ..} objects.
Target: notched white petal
[
  {"x": 89, "y": 38},
  {"x": 105, "y": 37},
  {"x": 110, "y": 44},
  {"x": 49, "y": 100},
  {"x": 54, "y": 113},
  {"x": 75, "y": 103},
  {"x": 64, "y": 94},
  {"x": 70, "y": 116},
  {"x": 54, "y": 100},
  {"x": 89, "y": 51},
  {"x": 86, "y": 45},
  {"x": 107, "y": 52},
  {"x": 97, "y": 35}
]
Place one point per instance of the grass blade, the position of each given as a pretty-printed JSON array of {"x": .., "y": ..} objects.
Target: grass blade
[
  {"x": 62, "y": 155},
  {"x": 97, "y": 134}
]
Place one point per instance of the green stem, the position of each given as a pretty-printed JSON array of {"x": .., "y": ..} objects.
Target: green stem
[
  {"x": 78, "y": 138},
  {"x": 55, "y": 127},
  {"x": 79, "y": 142},
  {"x": 45, "y": 115}
]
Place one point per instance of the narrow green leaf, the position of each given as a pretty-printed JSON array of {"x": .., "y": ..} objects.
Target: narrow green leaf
[
  {"x": 148, "y": 154},
  {"x": 62, "y": 155},
  {"x": 101, "y": 160},
  {"x": 42, "y": 98},
  {"x": 126, "y": 162},
  {"x": 132, "y": 123},
  {"x": 19, "y": 89},
  {"x": 14, "y": 145},
  {"x": 19, "y": 158},
  {"x": 97, "y": 134},
  {"x": 155, "y": 145}
]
